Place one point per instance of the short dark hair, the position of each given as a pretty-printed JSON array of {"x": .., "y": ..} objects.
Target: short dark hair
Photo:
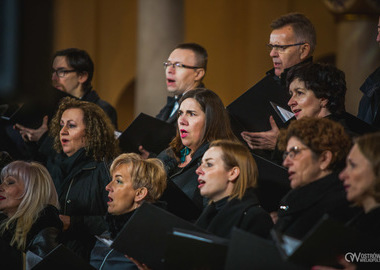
[
  {"x": 326, "y": 81},
  {"x": 79, "y": 60},
  {"x": 303, "y": 28},
  {"x": 200, "y": 53}
]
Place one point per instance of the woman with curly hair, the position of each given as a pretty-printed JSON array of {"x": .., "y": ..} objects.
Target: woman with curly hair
[
  {"x": 29, "y": 220},
  {"x": 84, "y": 145},
  {"x": 315, "y": 151}
]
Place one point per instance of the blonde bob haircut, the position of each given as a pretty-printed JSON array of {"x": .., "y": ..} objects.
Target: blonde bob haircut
[
  {"x": 235, "y": 154},
  {"x": 39, "y": 191},
  {"x": 148, "y": 173}
]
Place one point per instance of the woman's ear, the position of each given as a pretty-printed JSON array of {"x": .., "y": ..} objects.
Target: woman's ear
[
  {"x": 140, "y": 195},
  {"x": 233, "y": 174},
  {"x": 325, "y": 159},
  {"x": 324, "y": 102}
]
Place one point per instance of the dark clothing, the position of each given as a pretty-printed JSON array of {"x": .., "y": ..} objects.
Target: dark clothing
[
  {"x": 80, "y": 182},
  {"x": 220, "y": 217},
  {"x": 303, "y": 207},
  {"x": 185, "y": 178},
  {"x": 165, "y": 112},
  {"x": 105, "y": 258},
  {"x": 282, "y": 79},
  {"x": 41, "y": 239},
  {"x": 369, "y": 105},
  {"x": 368, "y": 225},
  {"x": 91, "y": 96},
  {"x": 353, "y": 126}
]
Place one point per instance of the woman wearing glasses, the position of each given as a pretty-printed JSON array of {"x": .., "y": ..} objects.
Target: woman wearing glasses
[{"x": 315, "y": 151}]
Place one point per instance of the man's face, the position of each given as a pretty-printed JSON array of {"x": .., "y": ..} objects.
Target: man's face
[
  {"x": 180, "y": 79},
  {"x": 71, "y": 82},
  {"x": 291, "y": 55}
]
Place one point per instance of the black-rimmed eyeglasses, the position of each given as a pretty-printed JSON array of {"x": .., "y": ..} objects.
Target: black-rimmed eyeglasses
[
  {"x": 62, "y": 72},
  {"x": 282, "y": 48},
  {"x": 178, "y": 65}
]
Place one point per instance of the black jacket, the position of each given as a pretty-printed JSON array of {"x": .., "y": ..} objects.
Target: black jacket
[
  {"x": 42, "y": 238},
  {"x": 165, "y": 112},
  {"x": 369, "y": 105},
  {"x": 219, "y": 218},
  {"x": 91, "y": 96},
  {"x": 303, "y": 207},
  {"x": 184, "y": 178},
  {"x": 80, "y": 182}
]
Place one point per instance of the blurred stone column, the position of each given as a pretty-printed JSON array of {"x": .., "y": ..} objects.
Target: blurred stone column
[
  {"x": 160, "y": 27},
  {"x": 358, "y": 54}
]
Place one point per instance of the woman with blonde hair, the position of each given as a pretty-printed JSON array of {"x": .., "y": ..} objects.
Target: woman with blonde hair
[
  {"x": 227, "y": 176},
  {"x": 134, "y": 181},
  {"x": 29, "y": 221}
]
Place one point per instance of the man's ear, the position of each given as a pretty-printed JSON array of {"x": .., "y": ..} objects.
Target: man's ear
[
  {"x": 233, "y": 174},
  {"x": 140, "y": 195},
  {"x": 83, "y": 77},
  {"x": 305, "y": 50},
  {"x": 199, "y": 74},
  {"x": 325, "y": 159}
]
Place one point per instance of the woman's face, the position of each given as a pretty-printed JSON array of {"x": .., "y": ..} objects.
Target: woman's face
[
  {"x": 11, "y": 193},
  {"x": 303, "y": 166},
  {"x": 303, "y": 102},
  {"x": 72, "y": 134},
  {"x": 215, "y": 182},
  {"x": 121, "y": 194},
  {"x": 191, "y": 123},
  {"x": 358, "y": 176}
]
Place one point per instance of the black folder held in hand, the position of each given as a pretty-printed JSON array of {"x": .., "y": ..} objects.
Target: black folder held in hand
[
  {"x": 322, "y": 245},
  {"x": 62, "y": 258},
  {"x": 153, "y": 134},
  {"x": 247, "y": 251},
  {"x": 251, "y": 111},
  {"x": 193, "y": 250},
  {"x": 272, "y": 183},
  {"x": 31, "y": 113},
  {"x": 144, "y": 236}
]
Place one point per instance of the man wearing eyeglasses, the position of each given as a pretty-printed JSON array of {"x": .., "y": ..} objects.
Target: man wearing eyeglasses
[
  {"x": 184, "y": 70},
  {"x": 72, "y": 72},
  {"x": 291, "y": 42}
]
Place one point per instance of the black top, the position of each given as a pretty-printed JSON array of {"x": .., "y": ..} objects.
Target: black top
[
  {"x": 41, "y": 239},
  {"x": 220, "y": 217},
  {"x": 302, "y": 207},
  {"x": 370, "y": 102}
]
